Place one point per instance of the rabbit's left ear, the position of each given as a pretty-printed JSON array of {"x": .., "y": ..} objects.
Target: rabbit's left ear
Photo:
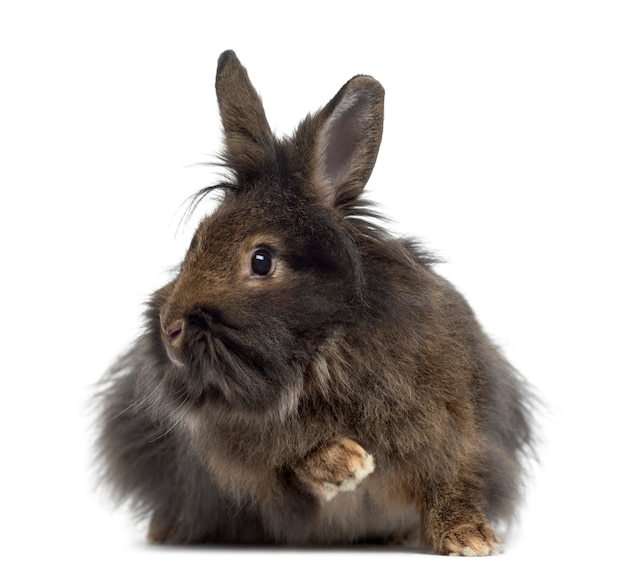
[
  {"x": 346, "y": 136},
  {"x": 250, "y": 147}
]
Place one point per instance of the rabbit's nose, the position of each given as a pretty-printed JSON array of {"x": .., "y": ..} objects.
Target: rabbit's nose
[{"x": 174, "y": 331}]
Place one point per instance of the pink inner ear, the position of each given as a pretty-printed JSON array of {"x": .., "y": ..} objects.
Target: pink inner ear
[
  {"x": 343, "y": 148},
  {"x": 341, "y": 141}
]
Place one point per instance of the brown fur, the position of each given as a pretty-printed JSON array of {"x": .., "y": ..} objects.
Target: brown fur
[{"x": 347, "y": 394}]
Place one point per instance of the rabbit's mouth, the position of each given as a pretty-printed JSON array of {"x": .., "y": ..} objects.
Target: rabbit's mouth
[
  {"x": 202, "y": 335},
  {"x": 247, "y": 368},
  {"x": 174, "y": 354}
]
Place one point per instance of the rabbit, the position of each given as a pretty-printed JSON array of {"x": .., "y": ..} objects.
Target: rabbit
[{"x": 307, "y": 378}]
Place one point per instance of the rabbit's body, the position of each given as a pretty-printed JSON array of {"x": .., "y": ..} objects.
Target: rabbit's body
[{"x": 306, "y": 378}]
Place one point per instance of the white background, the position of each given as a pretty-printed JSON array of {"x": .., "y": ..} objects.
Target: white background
[{"x": 504, "y": 150}]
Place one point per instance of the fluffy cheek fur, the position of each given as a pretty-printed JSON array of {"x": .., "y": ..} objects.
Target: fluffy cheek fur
[{"x": 252, "y": 372}]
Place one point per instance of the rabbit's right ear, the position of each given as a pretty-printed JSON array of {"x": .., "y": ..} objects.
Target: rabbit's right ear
[
  {"x": 342, "y": 141},
  {"x": 250, "y": 149}
]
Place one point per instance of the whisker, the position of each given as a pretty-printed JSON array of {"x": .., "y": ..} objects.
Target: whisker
[{"x": 172, "y": 416}]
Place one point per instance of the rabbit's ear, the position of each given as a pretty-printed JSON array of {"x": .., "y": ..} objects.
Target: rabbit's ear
[
  {"x": 348, "y": 132},
  {"x": 250, "y": 149}
]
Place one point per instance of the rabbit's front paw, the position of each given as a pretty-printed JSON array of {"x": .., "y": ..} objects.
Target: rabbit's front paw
[
  {"x": 338, "y": 467},
  {"x": 471, "y": 540}
]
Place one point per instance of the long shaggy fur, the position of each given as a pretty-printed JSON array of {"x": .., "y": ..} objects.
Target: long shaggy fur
[{"x": 306, "y": 378}]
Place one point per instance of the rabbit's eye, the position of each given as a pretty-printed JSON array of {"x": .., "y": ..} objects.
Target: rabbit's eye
[{"x": 262, "y": 262}]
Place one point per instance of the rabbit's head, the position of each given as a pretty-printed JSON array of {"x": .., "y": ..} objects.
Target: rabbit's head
[{"x": 275, "y": 268}]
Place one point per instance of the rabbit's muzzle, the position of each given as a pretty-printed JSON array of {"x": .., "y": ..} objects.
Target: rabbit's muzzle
[
  {"x": 186, "y": 338},
  {"x": 244, "y": 365}
]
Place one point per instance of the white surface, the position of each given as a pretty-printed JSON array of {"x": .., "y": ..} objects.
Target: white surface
[{"x": 504, "y": 151}]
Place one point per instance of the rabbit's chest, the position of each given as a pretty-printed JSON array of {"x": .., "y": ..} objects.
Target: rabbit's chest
[{"x": 245, "y": 460}]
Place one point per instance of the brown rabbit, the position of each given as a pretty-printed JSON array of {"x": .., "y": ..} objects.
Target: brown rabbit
[{"x": 306, "y": 378}]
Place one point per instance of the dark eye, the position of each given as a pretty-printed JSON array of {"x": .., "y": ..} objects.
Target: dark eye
[{"x": 262, "y": 262}]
